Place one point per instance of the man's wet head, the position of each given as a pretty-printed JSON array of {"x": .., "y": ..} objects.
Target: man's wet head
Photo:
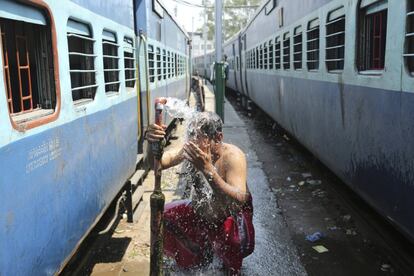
[{"x": 206, "y": 130}]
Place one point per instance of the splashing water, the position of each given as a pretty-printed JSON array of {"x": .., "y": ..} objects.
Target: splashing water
[
  {"x": 177, "y": 108},
  {"x": 203, "y": 194}
]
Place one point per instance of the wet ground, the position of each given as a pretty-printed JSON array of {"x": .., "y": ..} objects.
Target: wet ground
[{"x": 293, "y": 194}]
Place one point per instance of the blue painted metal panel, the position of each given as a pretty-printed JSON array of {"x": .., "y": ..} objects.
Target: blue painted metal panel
[
  {"x": 360, "y": 133},
  {"x": 120, "y": 11},
  {"x": 56, "y": 183}
]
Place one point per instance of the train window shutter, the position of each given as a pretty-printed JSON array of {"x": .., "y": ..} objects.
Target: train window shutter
[
  {"x": 82, "y": 62},
  {"x": 335, "y": 14},
  {"x": 409, "y": 38},
  {"x": 111, "y": 62},
  {"x": 108, "y": 36},
  {"x": 76, "y": 27},
  {"x": 313, "y": 24},
  {"x": 335, "y": 41},
  {"x": 366, "y": 3},
  {"x": 128, "y": 45},
  {"x": 20, "y": 12}
]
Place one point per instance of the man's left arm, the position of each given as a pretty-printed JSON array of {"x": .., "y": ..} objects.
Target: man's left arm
[{"x": 236, "y": 171}]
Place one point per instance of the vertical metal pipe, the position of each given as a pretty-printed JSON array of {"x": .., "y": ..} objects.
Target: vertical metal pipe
[
  {"x": 219, "y": 17},
  {"x": 157, "y": 201},
  {"x": 205, "y": 38},
  {"x": 219, "y": 68}
]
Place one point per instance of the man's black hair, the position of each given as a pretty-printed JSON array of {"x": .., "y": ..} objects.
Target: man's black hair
[{"x": 208, "y": 123}]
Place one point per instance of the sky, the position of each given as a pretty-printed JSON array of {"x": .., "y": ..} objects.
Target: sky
[{"x": 185, "y": 14}]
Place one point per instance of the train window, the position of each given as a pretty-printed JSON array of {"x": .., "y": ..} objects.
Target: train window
[
  {"x": 286, "y": 51},
  {"x": 169, "y": 64},
  {"x": 261, "y": 57},
  {"x": 297, "y": 48},
  {"x": 28, "y": 63},
  {"x": 237, "y": 63},
  {"x": 372, "y": 34},
  {"x": 151, "y": 63},
  {"x": 164, "y": 64},
  {"x": 175, "y": 65},
  {"x": 278, "y": 51},
  {"x": 180, "y": 64},
  {"x": 111, "y": 62},
  {"x": 271, "y": 54},
  {"x": 312, "y": 52},
  {"x": 159, "y": 64},
  {"x": 129, "y": 62},
  {"x": 335, "y": 40},
  {"x": 265, "y": 58},
  {"x": 257, "y": 58},
  {"x": 409, "y": 38},
  {"x": 82, "y": 62}
]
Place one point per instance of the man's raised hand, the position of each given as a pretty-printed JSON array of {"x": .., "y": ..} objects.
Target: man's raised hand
[
  {"x": 200, "y": 159},
  {"x": 155, "y": 133}
]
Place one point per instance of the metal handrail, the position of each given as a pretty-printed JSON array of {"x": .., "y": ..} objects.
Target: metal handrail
[
  {"x": 82, "y": 71},
  {"x": 81, "y": 54},
  {"x": 81, "y": 36},
  {"x": 84, "y": 87},
  {"x": 335, "y": 47},
  {"x": 110, "y": 43},
  {"x": 335, "y": 20},
  {"x": 335, "y": 34}
]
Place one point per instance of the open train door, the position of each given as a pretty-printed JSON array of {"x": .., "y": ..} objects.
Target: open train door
[{"x": 243, "y": 68}]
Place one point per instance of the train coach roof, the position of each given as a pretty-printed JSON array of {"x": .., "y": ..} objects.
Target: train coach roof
[{"x": 174, "y": 19}]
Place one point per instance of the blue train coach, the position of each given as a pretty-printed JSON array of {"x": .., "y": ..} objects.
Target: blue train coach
[
  {"x": 338, "y": 76},
  {"x": 77, "y": 81}
]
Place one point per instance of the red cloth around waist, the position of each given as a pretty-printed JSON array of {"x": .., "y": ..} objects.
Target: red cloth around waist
[{"x": 188, "y": 237}]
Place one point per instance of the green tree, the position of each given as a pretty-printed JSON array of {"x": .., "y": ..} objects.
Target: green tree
[{"x": 236, "y": 13}]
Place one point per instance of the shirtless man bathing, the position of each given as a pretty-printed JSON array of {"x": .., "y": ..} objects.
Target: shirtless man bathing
[{"x": 218, "y": 216}]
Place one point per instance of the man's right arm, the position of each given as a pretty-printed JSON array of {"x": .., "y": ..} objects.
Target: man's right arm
[{"x": 170, "y": 158}]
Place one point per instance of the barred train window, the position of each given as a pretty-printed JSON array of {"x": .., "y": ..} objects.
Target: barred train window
[
  {"x": 270, "y": 54},
  {"x": 151, "y": 63},
  {"x": 312, "y": 52},
  {"x": 261, "y": 57},
  {"x": 169, "y": 64},
  {"x": 265, "y": 58},
  {"x": 159, "y": 64},
  {"x": 372, "y": 34},
  {"x": 111, "y": 61},
  {"x": 286, "y": 51},
  {"x": 173, "y": 65},
  {"x": 409, "y": 38},
  {"x": 297, "y": 49},
  {"x": 176, "y": 64},
  {"x": 164, "y": 64},
  {"x": 129, "y": 62},
  {"x": 335, "y": 40},
  {"x": 82, "y": 62},
  {"x": 278, "y": 60},
  {"x": 27, "y": 55}
]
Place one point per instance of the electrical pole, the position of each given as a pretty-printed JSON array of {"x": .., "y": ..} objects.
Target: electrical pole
[
  {"x": 205, "y": 38},
  {"x": 219, "y": 32},
  {"x": 220, "y": 81}
]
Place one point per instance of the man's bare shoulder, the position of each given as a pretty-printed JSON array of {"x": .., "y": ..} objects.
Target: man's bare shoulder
[{"x": 234, "y": 153}]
